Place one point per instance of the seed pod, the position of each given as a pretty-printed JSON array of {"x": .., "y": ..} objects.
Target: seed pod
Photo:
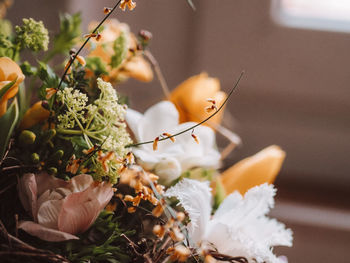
[
  {"x": 57, "y": 156},
  {"x": 35, "y": 158},
  {"x": 49, "y": 135},
  {"x": 27, "y": 137},
  {"x": 52, "y": 170}
]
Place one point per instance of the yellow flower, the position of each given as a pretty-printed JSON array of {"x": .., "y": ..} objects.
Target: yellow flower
[
  {"x": 9, "y": 71},
  {"x": 260, "y": 168},
  {"x": 193, "y": 97},
  {"x": 34, "y": 115},
  {"x": 133, "y": 65}
]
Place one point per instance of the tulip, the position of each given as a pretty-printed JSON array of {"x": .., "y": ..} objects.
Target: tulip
[
  {"x": 260, "y": 168},
  {"x": 9, "y": 71},
  {"x": 61, "y": 209},
  {"x": 191, "y": 98},
  {"x": 133, "y": 65},
  {"x": 34, "y": 115}
]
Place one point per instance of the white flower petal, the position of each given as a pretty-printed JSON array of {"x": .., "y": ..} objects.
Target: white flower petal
[
  {"x": 251, "y": 233},
  {"x": 133, "y": 119},
  {"x": 203, "y": 154},
  {"x": 158, "y": 119},
  {"x": 168, "y": 170},
  {"x": 195, "y": 198}
]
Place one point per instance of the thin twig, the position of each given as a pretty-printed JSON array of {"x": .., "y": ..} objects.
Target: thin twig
[
  {"x": 198, "y": 124},
  {"x": 159, "y": 73},
  {"x": 7, "y": 151}
]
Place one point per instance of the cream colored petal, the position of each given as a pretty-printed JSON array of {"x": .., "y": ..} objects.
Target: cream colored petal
[
  {"x": 260, "y": 168},
  {"x": 48, "y": 213},
  {"x": 45, "y": 233},
  {"x": 27, "y": 190},
  {"x": 80, "y": 182}
]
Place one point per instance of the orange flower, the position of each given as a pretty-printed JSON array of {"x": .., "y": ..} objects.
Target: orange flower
[
  {"x": 260, "y": 168},
  {"x": 34, "y": 115},
  {"x": 193, "y": 97},
  {"x": 133, "y": 66},
  {"x": 9, "y": 71}
]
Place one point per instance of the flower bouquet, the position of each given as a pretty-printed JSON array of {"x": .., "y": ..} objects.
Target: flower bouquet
[{"x": 84, "y": 178}]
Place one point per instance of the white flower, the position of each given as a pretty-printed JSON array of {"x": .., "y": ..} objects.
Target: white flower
[
  {"x": 239, "y": 227},
  {"x": 171, "y": 158}
]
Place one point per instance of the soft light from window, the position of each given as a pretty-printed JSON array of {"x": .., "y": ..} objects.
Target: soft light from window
[{"x": 331, "y": 15}]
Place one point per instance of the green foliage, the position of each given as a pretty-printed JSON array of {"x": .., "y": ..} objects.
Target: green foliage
[
  {"x": 120, "y": 50},
  {"x": 8, "y": 122},
  {"x": 96, "y": 65},
  {"x": 28, "y": 69},
  {"x": 67, "y": 37},
  {"x": 48, "y": 77},
  {"x": 6, "y": 88},
  {"x": 32, "y": 35},
  {"x": 101, "y": 243},
  {"x": 5, "y": 27},
  {"x": 6, "y": 45}
]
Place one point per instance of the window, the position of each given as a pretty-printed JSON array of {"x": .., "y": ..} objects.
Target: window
[{"x": 330, "y": 15}]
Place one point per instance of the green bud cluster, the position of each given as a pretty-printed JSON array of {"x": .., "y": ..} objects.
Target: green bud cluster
[{"x": 32, "y": 35}]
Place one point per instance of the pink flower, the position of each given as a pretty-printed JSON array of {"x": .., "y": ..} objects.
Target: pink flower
[{"x": 61, "y": 209}]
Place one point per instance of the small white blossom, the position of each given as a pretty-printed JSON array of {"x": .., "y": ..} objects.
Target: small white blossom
[{"x": 101, "y": 122}]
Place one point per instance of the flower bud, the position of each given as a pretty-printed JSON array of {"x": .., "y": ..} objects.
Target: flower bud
[
  {"x": 52, "y": 170},
  {"x": 57, "y": 156},
  {"x": 35, "y": 158},
  {"x": 49, "y": 135},
  {"x": 27, "y": 137}
]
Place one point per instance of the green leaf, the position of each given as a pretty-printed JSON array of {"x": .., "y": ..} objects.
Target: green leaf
[
  {"x": 49, "y": 78},
  {"x": 7, "y": 87},
  {"x": 220, "y": 193},
  {"x": 27, "y": 69},
  {"x": 120, "y": 50},
  {"x": 96, "y": 65},
  {"x": 8, "y": 123},
  {"x": 67, "y": 37}
]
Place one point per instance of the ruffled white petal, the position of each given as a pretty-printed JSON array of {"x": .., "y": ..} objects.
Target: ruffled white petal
[
  {"x": 195, "y": 198},
  {"x": 251, "y": 233}
]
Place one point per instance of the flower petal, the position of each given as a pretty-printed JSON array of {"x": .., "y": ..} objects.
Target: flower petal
[
  {"x": 27, "y": 189},
  {"x": 48, "y": 213},
  {"x": 158, "y": 119},
  {"x": 195, "y": 198},
  {"x": 168, "y": 170},
  {"x": 133, "y": 119},
  {"x": 260, "y": 168},
  {"x": 80, "y": 182},
  {"x": 80, "y": 210},
  {"x": 48, "y": 182},
  {"x": 202, "y": 154},
  {"x": 251, "y": 233},
  {"x": 45, "y": 233}
]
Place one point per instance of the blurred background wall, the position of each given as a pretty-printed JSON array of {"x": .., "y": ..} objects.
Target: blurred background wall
[{"x": 295, "y": 93}]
